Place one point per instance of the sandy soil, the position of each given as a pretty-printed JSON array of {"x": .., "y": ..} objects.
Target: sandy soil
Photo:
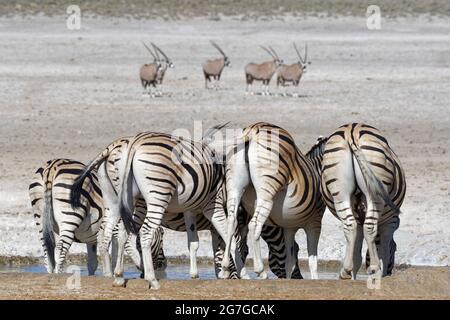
[{"x": 411, "y": 283}]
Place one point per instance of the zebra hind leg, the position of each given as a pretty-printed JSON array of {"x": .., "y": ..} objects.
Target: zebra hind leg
[
  {"x": 92, "y": 258},
  {"x": 262, "y": 212},
  {"x": 289, "y": 240},
  {"x": 312, "y": 238},
  {"x": 104, "y": 255},
  {"x": 218, "y": 246},
  {"x": 349, "y": 224},
  {"x": 66, "y": 238},
  {"x": 191, "y": 228},
  {"x": 147, "y": 235},
  {"x": 357, "y": 256},
  {"x": 122, "y": 238}
]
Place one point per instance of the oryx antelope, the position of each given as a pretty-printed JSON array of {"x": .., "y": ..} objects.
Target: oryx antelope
[
  {"x": 262, "y": 72},
  {"x": 293, "y": 73},
  {"x": 363, "y": 184},
  {"x": 148, "y": 73},
  {"x": 165, "y": 64},
  {"x": 213, "y": 68}
]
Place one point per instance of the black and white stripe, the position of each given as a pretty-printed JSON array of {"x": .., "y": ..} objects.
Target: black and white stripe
[
  {"x": 50, "y": 200},
  {"x": 363, "y": 184},
  {"x": 271, "y": 178},
  {"x": 53, "y": 213},
  {"x": 191, "y": 183}
]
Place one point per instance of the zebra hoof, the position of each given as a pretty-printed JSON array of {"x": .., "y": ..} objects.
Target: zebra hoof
[
  {"x": 345, "y": 275},
  {"x": 154, "y": 284},
  {"x": 119, "y": 282},
  {"x": 194, "y": 276},
  {"x": 262, "y": 275}
]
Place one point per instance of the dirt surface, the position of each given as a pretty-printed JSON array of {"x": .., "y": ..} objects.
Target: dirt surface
[{"x": 411, "y": 283}]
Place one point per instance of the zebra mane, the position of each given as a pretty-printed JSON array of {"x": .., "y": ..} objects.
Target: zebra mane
[{"x": 317, "y": 148}]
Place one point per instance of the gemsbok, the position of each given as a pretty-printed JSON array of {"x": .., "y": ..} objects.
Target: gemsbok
[
  {"x": 262, "y": 71},
  {"x": 213, "y": 68},
  {"x": 149, "y": 72},
  {"x": 293, "y": 73}
]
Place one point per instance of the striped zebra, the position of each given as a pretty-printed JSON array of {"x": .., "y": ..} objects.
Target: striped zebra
[
  {"x": 269, "y": 176},
  {"x": 173, "y": 175},
  {"x": 110, "y": 165},
  {"x": 363, "y": 185},
  {"x": 49, "y": 193}
]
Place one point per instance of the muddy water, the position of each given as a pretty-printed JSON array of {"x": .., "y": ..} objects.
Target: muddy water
[{"x": 172, "y": 272}]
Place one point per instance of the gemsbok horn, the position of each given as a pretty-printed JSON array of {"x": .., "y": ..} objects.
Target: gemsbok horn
[
  {"x": 263, "y": 71},
  {"x": 213, "y": 68},
  {"x": 293, "y": 73}
]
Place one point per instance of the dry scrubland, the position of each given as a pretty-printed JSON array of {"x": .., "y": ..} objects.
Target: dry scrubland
[{"x": 69, "y": 93}]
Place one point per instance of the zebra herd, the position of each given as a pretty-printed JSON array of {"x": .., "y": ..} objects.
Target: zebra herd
[{"x": 258, "y": 185}]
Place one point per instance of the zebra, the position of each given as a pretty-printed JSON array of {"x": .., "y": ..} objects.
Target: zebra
[
  {"x": 363, "y": 185},
  {"x": 268, "y": 174},
  {"x": 49, "y": 193},
  {"x": 110, "y": 163},
  {"x": 173, "y": 175}
]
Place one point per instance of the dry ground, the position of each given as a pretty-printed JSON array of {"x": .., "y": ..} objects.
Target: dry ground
[{"x": 411, "y": 283}]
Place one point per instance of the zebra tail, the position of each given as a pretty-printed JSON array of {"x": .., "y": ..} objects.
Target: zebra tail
[
  {"x": 48, "y": 224},
  {"x": 374, "y": 185},
  {"x": 126, "y": 197},
  {"x": 77, "y": 186}
]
